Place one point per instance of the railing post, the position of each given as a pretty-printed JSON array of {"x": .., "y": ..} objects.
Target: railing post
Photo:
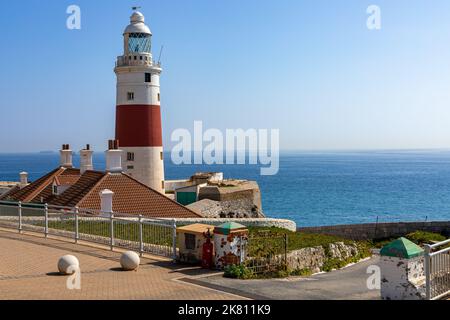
[
  {"x": 111, "y": 215},
  {"x": 46, "y": 220},
  {"x": 427, "y": 258},
  {"x": 174, "y": 239},
  {"x": 77, "y": 235},
  {"x": 20, "y": 216},
  {"x": 141, "y": 242}
]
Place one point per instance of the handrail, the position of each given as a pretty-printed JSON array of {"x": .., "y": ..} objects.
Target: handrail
[
  {"x": 49, "y": 215},
  {"x": 430, "y": 270},
  {"x": 440, "y": 252},
  {"x": 432, "y": 246},
  {"x": 80, "y": 211},
  {"x": 4, "y": 201}
]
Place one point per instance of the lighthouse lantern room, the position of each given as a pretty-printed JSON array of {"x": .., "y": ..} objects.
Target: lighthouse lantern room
[{"x": 138, "y": 111}]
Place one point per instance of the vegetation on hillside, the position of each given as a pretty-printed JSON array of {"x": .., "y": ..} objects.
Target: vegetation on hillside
[
  {"x": 422, "y": 237},
  {"x": 270, "y": 241},
  {"x": 296, "y": 241},
  {"x": 418, "y": 237}
]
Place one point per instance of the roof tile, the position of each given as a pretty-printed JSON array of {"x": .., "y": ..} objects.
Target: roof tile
[
  {"x": 132, "y": 197},
  {"x": 77, "y": 191},
  {"x": 30, "y": 192}
]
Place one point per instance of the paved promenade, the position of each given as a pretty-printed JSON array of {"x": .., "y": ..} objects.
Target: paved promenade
[{"x": 28, "y": 270}]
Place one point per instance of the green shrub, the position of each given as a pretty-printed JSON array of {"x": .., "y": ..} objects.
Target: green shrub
[
  {"x": 301, "y": 272},
  {"x": 381, "y": 243},
  {"x": 237, "y": 272},
  {"x": 423, "y": 237},
  {"x": 418, "y": 237},
  {"x": 282, "y": 274},
  {"x": 296, "y": 240},
  {"x": 336, "y": 264},
  {"x": 333, "y": 263}
]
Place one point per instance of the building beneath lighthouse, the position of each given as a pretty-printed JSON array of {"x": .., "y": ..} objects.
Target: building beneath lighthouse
[{"x": 138, "y": 111}]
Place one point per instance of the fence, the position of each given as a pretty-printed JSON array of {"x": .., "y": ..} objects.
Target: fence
[
  {"x": 155, "y": 236},
  {"x": 266, "y": 252},
  {"x": 437, "y": 270}
]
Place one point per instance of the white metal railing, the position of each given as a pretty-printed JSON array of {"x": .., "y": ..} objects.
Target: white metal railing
[
  {"x": 437, "y": 270},
  {"x": 155, "y": 236}
]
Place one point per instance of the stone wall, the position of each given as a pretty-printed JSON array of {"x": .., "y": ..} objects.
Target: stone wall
[
  {"x": 240, "y": 208},
  {"x": 232, "y": 190},
  {"x": 314, "y": 258},
  {"x": 380, "y": 230}
]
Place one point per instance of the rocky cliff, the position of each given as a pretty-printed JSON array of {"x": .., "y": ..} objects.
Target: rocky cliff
[{"x": 318, "y": 259}]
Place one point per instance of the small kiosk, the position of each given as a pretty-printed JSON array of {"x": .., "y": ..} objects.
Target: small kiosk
[
  {"x": 230, "y": 243},
  {"x": 192, "y": 240}
]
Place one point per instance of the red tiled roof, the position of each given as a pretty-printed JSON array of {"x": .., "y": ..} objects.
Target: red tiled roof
[
  {"x": 45, "y": 195},
  {"x": 41, "y": 188},
  {"x": 132, "y": 197},
  {"x": 28, "y": 193},
  {"x": 68, "y": 179},
  {"x": 10, "y": 191},
  {"x": 77, "y": 191}
]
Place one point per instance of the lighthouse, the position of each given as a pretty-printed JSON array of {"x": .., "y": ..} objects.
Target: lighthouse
[{"x": 138, "y": 110}]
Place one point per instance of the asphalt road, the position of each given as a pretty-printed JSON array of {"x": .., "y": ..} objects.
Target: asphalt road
[{"x": 349, "y": 283}]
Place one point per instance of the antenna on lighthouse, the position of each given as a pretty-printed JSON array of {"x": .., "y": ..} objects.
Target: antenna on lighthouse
[
  {"x": 160, "y": 53},
  {"x": 136, "y": 8}
]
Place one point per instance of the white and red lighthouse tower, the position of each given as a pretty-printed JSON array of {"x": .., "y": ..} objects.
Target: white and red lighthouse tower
[{"x": 138, "y": 113}]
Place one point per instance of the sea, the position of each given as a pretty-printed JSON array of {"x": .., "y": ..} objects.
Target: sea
[{"x": 316, "y": 188}]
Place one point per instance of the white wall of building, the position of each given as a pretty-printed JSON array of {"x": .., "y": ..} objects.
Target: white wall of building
[
  {"x": 148, "y": 167},
  {"x": 172, "y": 185}
]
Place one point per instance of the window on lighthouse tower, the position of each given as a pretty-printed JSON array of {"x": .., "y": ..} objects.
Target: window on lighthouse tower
[{"x": 130, "y": 96}]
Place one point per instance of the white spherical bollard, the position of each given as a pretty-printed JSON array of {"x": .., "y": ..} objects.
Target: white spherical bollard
[
  {"x": 65, "y": 262},
  {"x": 130, "y": 261}
]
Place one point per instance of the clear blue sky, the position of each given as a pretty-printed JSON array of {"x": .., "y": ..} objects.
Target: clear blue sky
[{"x": 310, "y": 68}]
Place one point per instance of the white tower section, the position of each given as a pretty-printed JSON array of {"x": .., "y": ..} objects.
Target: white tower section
[{"x": 138, "y": 113}]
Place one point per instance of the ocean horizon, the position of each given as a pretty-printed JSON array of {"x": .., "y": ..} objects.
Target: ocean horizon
[{"x": 315, "y": 188}]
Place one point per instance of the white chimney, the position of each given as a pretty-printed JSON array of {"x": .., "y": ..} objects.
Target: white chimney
[
  {"x": 66, "y": 156},
  {"x": 86, "y": 159},
  {"x": 106, "y": 201},
  {"x": 23, "y": 179},
  {"x": 113, "y": 157}
]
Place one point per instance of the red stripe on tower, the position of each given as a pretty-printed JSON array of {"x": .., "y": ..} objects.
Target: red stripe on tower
[{"x": 139, "y": 126}]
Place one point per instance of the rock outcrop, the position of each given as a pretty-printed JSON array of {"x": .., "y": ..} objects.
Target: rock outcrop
[{"x": 314, "y": 258}]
